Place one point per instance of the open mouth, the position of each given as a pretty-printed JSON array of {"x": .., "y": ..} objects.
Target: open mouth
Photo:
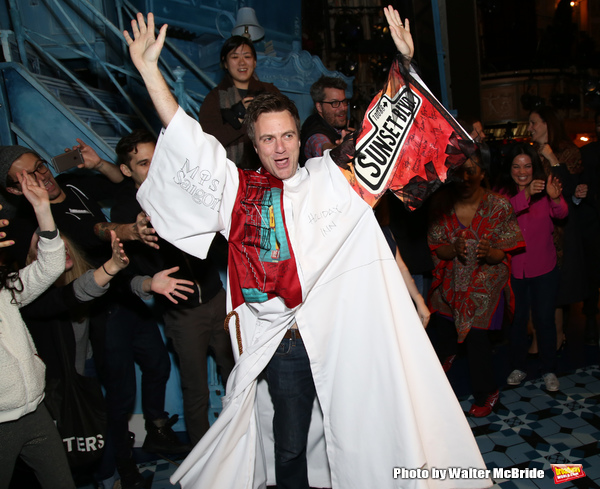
[{"x": 49, "y": 185}]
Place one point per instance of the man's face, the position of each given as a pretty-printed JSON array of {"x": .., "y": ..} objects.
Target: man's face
[
  {"x": 139, "y": 164},
  {"x": 277, "y": 143},
  {"x": 337, "y": 117},
  {"x": 35, "y": 166}
]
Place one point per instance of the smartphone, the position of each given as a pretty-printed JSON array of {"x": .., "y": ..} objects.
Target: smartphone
[{"x": 65, "y": 161}]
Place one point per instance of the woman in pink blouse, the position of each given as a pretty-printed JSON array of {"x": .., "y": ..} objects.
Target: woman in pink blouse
[{"x": 535, "y": 277}]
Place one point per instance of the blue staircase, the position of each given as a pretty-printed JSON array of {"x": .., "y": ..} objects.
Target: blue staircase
[
  {"x": 65, "y": 74},
  {"x": 48, "y": 114}
]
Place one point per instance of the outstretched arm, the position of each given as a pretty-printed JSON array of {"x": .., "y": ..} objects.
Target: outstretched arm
[
  {"x": 170, "y": 287},
  {"x": 144, "y": 50},
  {"x": 400, "y": 34},
  {"x": 117, "y": 262},
  {"x": 140, "y": 230}
]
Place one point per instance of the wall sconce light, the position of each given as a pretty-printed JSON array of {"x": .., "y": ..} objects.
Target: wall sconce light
[{"x": 247, "y": 25}]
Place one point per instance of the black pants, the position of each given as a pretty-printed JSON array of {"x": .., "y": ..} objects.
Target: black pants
[{"x": 479, "y": 355}]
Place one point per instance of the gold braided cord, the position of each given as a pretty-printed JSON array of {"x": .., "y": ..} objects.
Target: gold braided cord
[{"x": 238, "y": 331}]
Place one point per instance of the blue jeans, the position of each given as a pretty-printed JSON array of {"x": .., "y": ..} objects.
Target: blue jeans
[
  {"x": 293, "y": 393},
  {"x": 538, "y": 295}
]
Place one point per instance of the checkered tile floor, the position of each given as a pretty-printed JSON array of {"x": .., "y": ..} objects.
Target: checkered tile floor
[
  {"x": 530, "y": 428},
  {"x": 157, "y": 474}
]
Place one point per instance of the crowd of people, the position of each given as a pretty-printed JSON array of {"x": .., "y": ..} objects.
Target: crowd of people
[{"x": 327, "y": 349}]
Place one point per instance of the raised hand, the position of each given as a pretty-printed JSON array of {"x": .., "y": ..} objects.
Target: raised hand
[
  {"x": 144, "y": 232},
  {"x": 400, "y": 34},
  {"x": 7, "y": 242},
  {"x": 145, "y": 48},
  {"x": 91, "y": 160},
  {"x": 119, "y": 257},
  {"x": 32, "y": 190},
  {"x": 117, "y": 262},
  {"x": 553, "y": 187},
  {"x": 535, "y": 187},
  {"x": 39, "y": 200},
  {"x": 170, "y": 287}
]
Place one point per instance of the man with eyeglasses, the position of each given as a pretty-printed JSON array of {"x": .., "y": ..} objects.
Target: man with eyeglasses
[
  {"x": 74, "y": 198},
  {"x": 328, "y": 126}
]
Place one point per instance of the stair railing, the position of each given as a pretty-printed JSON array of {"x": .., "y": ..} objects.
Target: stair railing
[{"x": 189, "y": 100}]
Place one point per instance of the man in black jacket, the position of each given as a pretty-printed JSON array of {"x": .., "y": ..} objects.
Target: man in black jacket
[{"x": 195, "y": 324}]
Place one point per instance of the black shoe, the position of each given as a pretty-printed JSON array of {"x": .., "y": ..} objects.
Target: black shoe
[
  {"x": 130, "y": 475},
  {"x": 161, "y": 438}
]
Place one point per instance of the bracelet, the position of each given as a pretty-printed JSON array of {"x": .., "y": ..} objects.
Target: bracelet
[
  {"x": 106, "y": 271},
  {"x": 46, "y": 234}
]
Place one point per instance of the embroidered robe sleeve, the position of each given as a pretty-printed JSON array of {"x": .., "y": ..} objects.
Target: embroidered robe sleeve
[{"x": 191, "y": 186}]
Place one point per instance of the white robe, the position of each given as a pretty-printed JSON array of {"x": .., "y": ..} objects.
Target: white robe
[{"x": 384, "y": 400}]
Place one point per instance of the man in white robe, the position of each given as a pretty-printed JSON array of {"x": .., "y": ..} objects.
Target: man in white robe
[{"x": 306, "y": 253}]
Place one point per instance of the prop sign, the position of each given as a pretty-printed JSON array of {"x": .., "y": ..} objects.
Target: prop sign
[{"x": 407, "y": 143}]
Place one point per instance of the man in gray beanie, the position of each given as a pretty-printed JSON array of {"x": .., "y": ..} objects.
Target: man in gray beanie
[
  {"x": 74, "y": 198},
  {"x": 8, "y": 154},
  {"x": 14, "y": 159}
]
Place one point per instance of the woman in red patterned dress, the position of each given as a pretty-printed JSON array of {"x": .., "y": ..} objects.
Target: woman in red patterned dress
[{"x": 471, "y": 235}]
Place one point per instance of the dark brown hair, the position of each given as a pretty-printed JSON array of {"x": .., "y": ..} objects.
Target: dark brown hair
[
  {"x": 266, "y": 103},
  {"x": 128, "y": 144},
  {"x": 555, "y": 127}
]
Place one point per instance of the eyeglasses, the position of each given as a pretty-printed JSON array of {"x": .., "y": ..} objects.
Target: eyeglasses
[
  {"x": 41, "y": 169},
  {"x": 336, "y": 103}
]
